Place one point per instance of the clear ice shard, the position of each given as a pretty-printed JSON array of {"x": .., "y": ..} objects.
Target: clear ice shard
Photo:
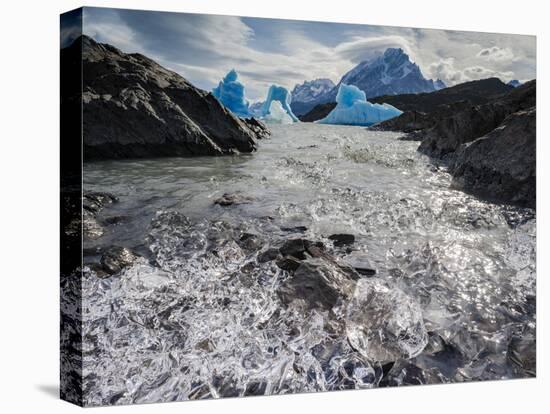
[
  {"x": 384, "y": 324},
  {"x": 352, "y": 108},
  {"x": 230, "y": 92},
  {"x": 281, "y": 95}
]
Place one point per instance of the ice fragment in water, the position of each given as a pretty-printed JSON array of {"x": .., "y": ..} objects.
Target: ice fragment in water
[
  {"x": 383, "y": 323},
  {"x": 353, "y": 109}
]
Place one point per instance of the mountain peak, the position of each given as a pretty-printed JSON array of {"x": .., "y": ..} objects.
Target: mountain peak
[
  {"x": 394, "y": 51},
  {"x": 310, "y": 90}
]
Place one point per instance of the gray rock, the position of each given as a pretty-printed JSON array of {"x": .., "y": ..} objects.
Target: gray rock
[
  {"x": 342, "y": 239},
  {"x": 294, "y": 247},
  {"x": 522, "y": 352},
  {"x": 290, "y": 264},
  {"x": 501, "y": 165},
  {"x": 228, "y": 199},
  {"x": 268, "y": 255},
  {"x": 449, "y": 133},
  {"x": 133, "y": 107},
  {"x": 250, "y": 242},
  {"x": 361, "y": 264},
  {"x": 317, "y": 283}
]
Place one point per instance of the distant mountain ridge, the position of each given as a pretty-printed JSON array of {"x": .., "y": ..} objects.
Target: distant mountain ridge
[
  {"x": 309, "y": 91},
  {"x": 391, "y": 73}
]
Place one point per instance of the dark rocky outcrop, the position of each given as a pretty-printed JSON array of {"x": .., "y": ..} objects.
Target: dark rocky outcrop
[
  {"x": 451, "y": 132},
  {"x": 502, "y": 164},
  {"x": 133, "y": 107},
  {"x": 474, "y": 93}
]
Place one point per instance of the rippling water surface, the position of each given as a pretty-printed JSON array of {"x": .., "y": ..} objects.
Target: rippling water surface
[{"x": 199, "y": 317}]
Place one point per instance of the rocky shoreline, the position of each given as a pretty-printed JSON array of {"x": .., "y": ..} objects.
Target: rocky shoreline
[{"x": 490, "y": 148}]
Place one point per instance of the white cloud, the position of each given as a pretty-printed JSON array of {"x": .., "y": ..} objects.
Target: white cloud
[
  {"x": 204, "y": 47},
  {"x": 496, "y": 53}
]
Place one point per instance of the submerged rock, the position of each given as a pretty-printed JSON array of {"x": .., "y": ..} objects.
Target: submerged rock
[
  {"x": 116, "y": 259},
  {"x": 92, "y": 204},
  {"x": 228, "y": 199},
  {"x": 522, "y": 352},
  {"x": 342, "y": 239},
  {"x": 383, "y": 323}
]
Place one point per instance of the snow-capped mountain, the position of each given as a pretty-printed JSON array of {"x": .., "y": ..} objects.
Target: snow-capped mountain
[
  {"x": 311, "y": 90},
  {"x": 307, "y": 92},
  {"x": 391, "y": 73},
  {"x": 515, "y": 83}
]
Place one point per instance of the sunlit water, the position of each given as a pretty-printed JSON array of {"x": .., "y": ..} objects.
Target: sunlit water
[{"x": 198, "y": 317}]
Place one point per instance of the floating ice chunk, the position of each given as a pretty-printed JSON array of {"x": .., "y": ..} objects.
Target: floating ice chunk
[
  {"x": 353, "y": 109},
  {"x": 230, "y": 92},
  {"x": 277, "y": 115},
  {"x": 281, "y": 95},
  {"x": 383, "y": 323}
]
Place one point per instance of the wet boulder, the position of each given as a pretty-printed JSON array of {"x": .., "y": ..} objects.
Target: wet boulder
[
  {"x": 117, "y": 258},
  {"x": 361, "y": 264},
  {"x": 317, "y": 283},
  {"x": 268, "y": 255},
  {"x": 229, "y": 199},
  {"x": 342, "y": 239}
]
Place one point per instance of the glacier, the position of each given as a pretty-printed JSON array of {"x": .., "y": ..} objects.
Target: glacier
[
  {"x": 352, "y": 108},
  {"x": 230, "y": 92},
  {"x": 277, "y": 94}
]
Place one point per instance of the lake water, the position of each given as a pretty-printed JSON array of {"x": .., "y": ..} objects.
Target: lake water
[{"x": 188, "y": 321}]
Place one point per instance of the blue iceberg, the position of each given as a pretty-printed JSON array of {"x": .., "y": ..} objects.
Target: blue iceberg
[
  {"x": 352, "y": 108},
  {"x": 230, "y": 92},
  {"x": 281, "y": 95}
]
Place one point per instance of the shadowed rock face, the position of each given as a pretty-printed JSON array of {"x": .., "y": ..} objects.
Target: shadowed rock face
[
  {"x": 502, "y": 164},
  {"x": 449, "y": 133},
  {"x": 133, "y": 107}
]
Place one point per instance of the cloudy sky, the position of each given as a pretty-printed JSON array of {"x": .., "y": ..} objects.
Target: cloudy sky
[{"x": 202, "y": 48}]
